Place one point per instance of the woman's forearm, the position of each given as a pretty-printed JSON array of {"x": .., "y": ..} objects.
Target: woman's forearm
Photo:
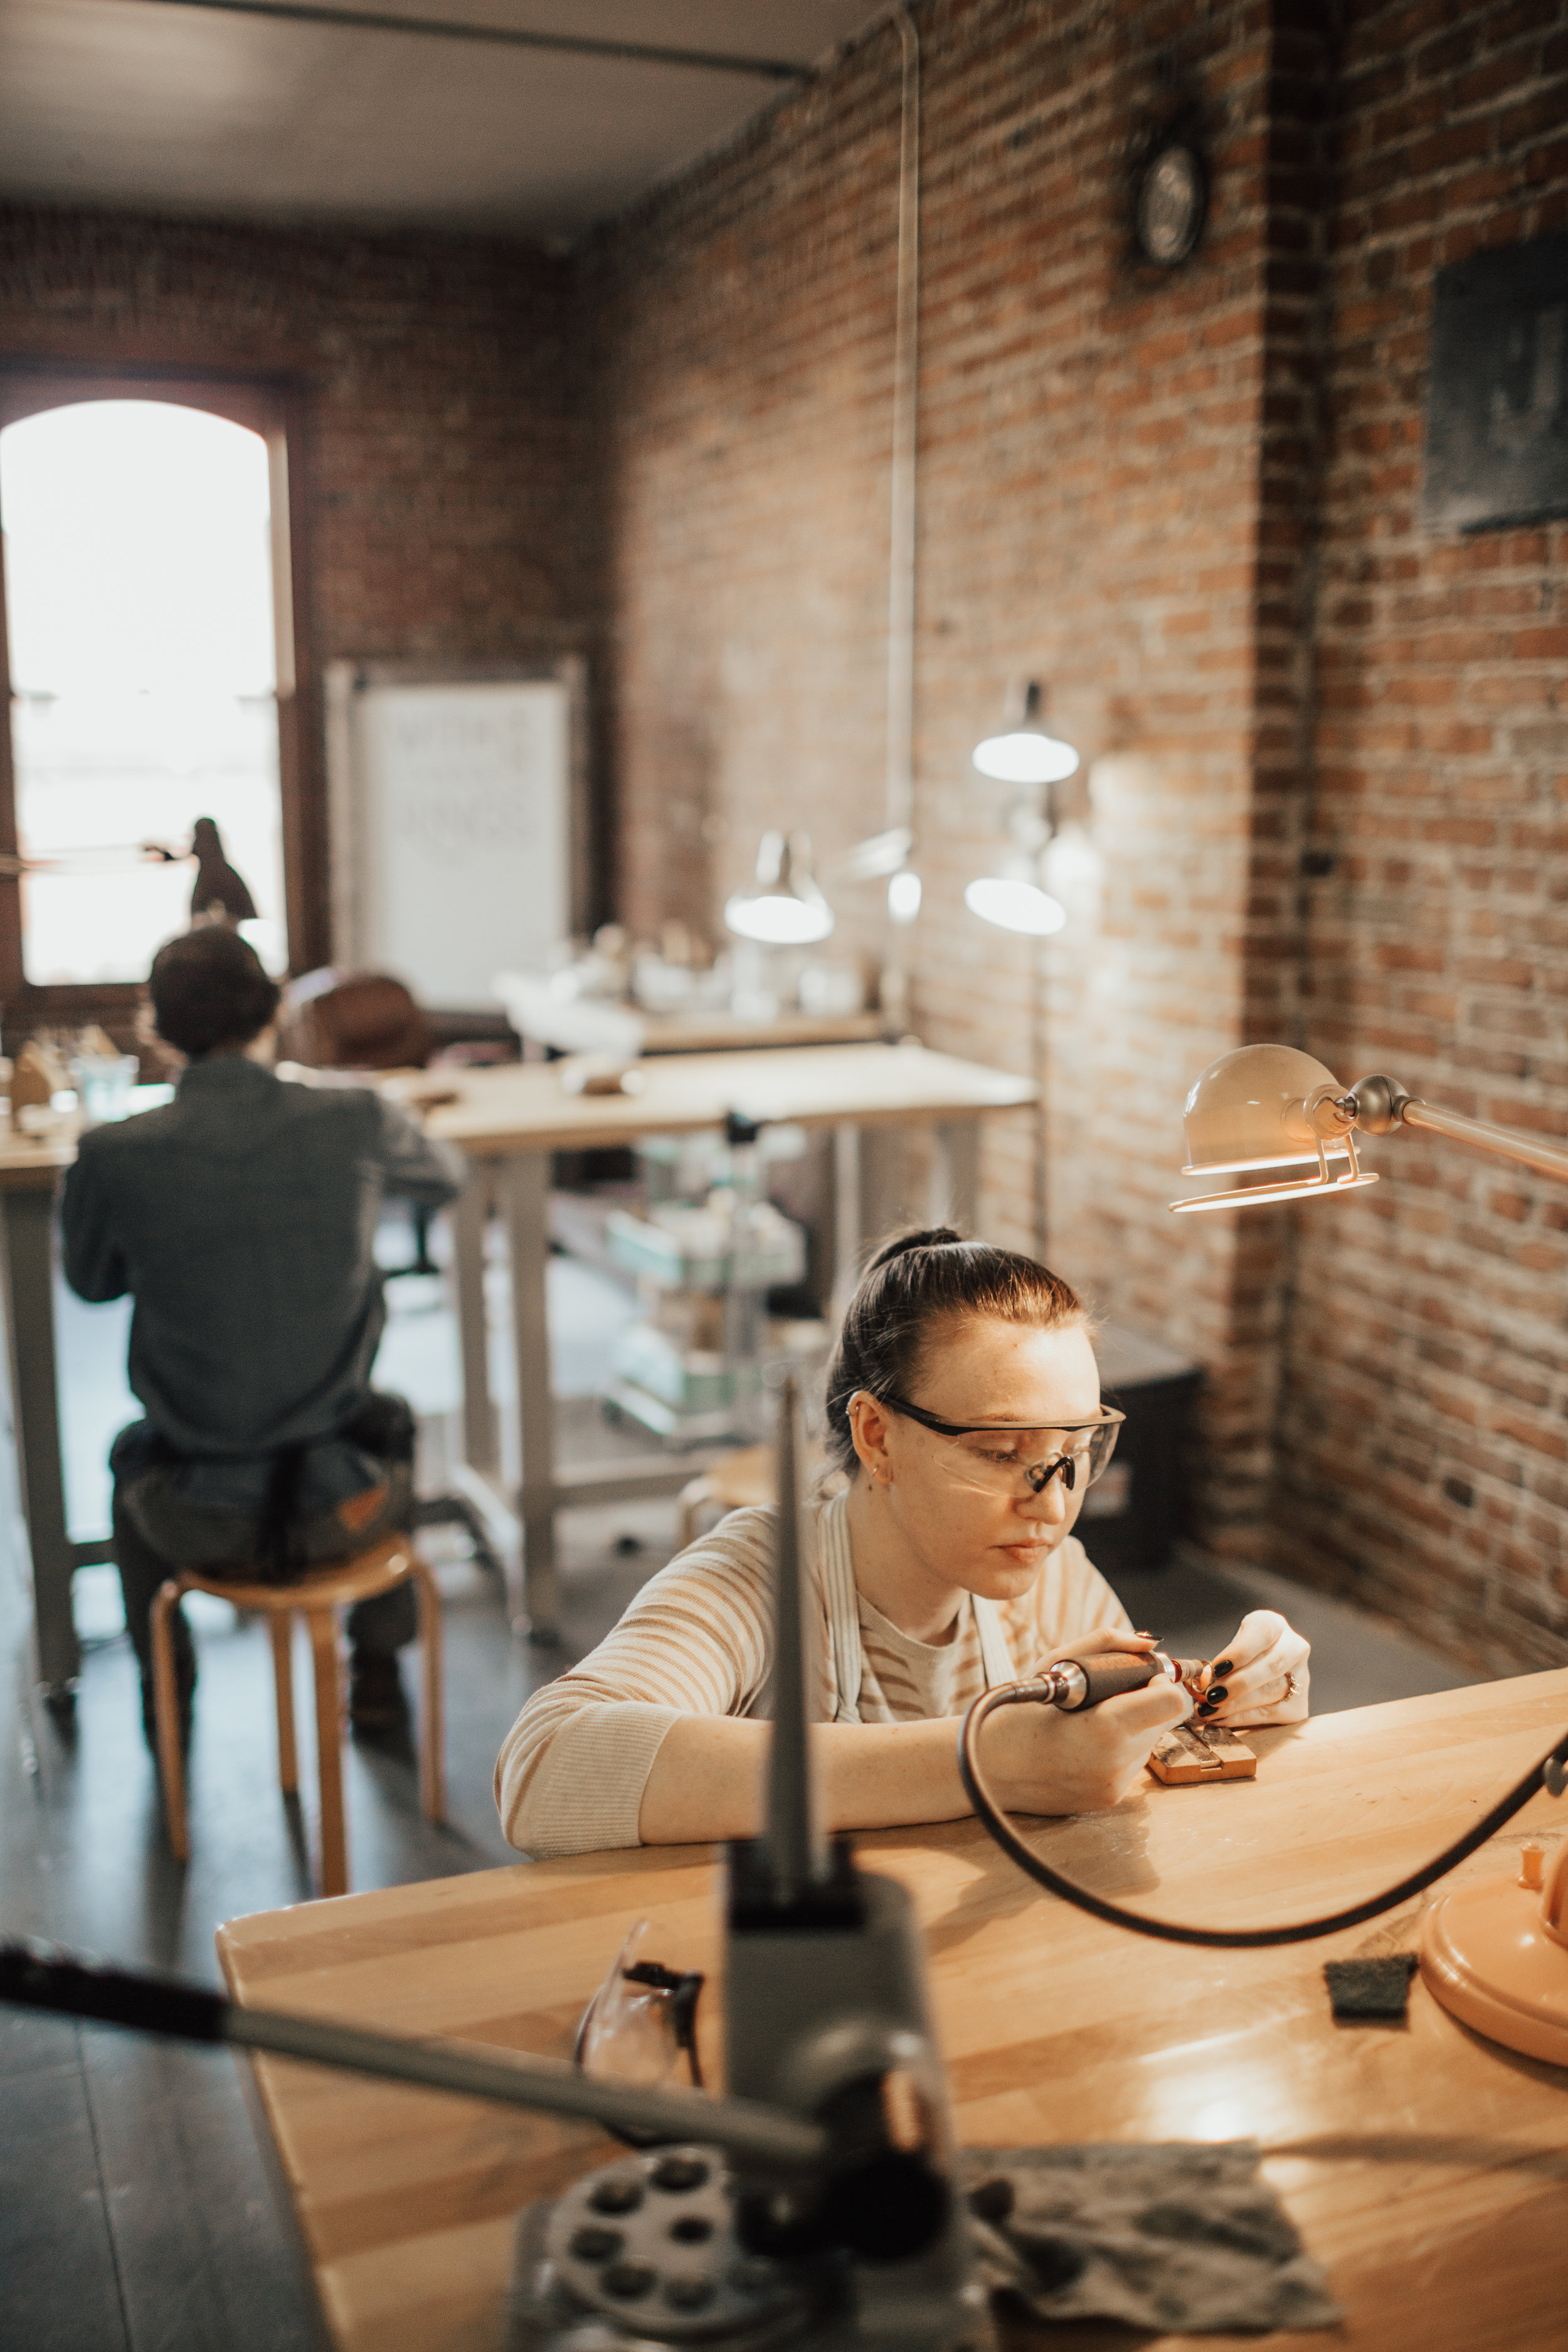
[{"x": 707, "y": 1778}]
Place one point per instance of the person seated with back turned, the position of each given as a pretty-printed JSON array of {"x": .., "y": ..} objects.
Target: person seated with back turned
[
  {"x": 241, "y": 1218},
  {"x": 962, "y": 1388}
]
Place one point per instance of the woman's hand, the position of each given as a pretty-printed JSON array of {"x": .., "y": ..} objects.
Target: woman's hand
[
  {"x": 1043, "y": 1759},
  {"x": 1263, "y": 1676}
]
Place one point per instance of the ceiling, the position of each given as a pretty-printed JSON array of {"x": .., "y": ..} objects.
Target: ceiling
[{"x": 259, "y": 109}]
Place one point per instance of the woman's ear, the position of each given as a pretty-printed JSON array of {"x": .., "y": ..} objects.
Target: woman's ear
[{"x": 869, "y": 1423}]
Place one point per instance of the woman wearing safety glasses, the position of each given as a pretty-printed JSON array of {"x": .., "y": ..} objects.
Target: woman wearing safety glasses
[{"x": 964, "y": 1410}]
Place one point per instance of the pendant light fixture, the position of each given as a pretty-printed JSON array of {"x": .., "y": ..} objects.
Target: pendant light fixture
[
  {"x": 782, "y": 906},
  {"x": 1013, "y": 898}
]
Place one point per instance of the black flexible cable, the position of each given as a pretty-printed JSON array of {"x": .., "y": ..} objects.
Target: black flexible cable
[{"x": 1301, "y": 1931}]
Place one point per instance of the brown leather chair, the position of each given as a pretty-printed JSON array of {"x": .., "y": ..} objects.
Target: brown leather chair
[{"x": 336, "y": 1020}]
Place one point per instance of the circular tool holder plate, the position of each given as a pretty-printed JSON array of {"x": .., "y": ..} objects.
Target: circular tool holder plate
[{"x": 650, "y": 2243}]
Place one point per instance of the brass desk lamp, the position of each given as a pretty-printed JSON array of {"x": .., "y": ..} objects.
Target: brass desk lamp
[{"x": 1496, "y": 1954}]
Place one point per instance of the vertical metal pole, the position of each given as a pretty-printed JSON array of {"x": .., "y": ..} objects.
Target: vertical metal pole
[
  {"x": 470, "y": 1217},
  {"x": 955, "y": 1174},
  {"x": 845, "y": 1214},
  {"x": 1039, "y": 1062},
  {"x": 26, "y": 1260},
  {"x": 525, "y": 1195},
  {"x": 792, "y": 1839},
  {"x": 902, "y": 577}
]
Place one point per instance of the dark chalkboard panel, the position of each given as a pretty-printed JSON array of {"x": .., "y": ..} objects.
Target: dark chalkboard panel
[{"x": 1497, "y": 409}]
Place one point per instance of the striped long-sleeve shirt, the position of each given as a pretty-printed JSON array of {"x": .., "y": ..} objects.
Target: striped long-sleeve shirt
[{"x": 698, "y": 1640}]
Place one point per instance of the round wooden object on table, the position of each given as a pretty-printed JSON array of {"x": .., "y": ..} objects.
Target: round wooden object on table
[{"x": 317, "y": 1595}]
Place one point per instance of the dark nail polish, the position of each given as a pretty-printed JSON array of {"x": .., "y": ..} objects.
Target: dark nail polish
[
  {"x": 1223, "y": 1666},
  {"x": 1217, "y": 1691},
  {"x": 1205, "y": 1706}
]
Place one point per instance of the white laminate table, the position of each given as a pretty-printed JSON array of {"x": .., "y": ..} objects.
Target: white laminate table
[{"x": 509, "y": 1121}]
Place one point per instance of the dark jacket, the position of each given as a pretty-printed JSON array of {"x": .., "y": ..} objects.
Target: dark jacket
[{"x": 241, "y": 1218}]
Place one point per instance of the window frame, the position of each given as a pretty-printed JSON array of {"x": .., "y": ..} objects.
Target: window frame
[{"x": 272, "y": 406}]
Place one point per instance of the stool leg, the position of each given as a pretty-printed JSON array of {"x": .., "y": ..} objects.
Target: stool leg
[
  {"x": 324, "y": 1625},
  {"x": 690, "y": 1504},
  {"x": 166, "y": 1719},
  {"x": 433, "y": 1752},
  {"x": 282, "y": 1626}
]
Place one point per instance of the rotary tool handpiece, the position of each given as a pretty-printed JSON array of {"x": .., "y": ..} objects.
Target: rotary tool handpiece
[{"x": 1076, "y": 1683}]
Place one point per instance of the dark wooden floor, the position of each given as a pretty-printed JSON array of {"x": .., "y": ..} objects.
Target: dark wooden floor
[{"x": 136, "y": 2213}]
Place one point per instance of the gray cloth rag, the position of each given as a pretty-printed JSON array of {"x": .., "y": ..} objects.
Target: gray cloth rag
[{"x": 1179, "y": 2237}]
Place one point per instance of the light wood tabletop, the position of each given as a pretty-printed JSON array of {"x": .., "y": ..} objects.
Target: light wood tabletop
[
  {"x": 1427, "y": 2169},
  {"x": 525, "y": 1106},
  {"x": 30, "y": 1163}
]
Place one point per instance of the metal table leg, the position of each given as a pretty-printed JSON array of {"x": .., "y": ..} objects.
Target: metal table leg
[
  {"x": 470, "y": 1217},
  {"x": 26, "y": 1236},
  {"x": 525, "y": 1200},
  {"x": 846, "y": 1214},
  {"x": 955, "y": 1174}
]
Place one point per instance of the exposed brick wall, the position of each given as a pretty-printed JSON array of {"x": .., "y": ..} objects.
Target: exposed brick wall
[
  {"x": 1191, "y": 504},
  {"x": 1424, "y": 1466},
  {"x": 447, "y": 503},
  {"x": 1090, "y": 512}
]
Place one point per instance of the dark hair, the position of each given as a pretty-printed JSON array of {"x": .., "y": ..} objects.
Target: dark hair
[
  {"x": 209, "y": 991},
  {"x": 912, "y": 1282}
]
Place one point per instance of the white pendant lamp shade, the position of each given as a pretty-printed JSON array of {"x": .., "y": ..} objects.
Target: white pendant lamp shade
[
  {"x": 783, "y": 907},
  {"x": 1027, "y": 756},
  {"x": 1014, "y": 904},
  {"x": 904, "y": 896}
]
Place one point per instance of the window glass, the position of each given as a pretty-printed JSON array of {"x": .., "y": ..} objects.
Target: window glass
[{"x": 139, "y": 596}]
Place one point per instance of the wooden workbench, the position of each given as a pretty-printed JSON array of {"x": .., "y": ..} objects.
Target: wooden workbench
[{"x": 1427, "y": 2169}]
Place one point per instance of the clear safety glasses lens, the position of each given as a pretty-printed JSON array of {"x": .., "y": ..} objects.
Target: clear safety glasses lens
[
  {"x": 641, "y": 2024},
  {"x": 1025, "y": 1461}
]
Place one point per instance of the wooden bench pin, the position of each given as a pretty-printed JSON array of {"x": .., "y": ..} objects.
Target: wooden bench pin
[
  {"x": 1200, "y": 1751},
  {"x": 1204, "y": 1751}
]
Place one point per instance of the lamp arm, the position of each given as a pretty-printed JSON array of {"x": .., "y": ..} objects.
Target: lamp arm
[
  {"x": 41, "y": 1976},
  {"x": 1499, "y": 1140},
  {"x": 1382, "y": 1103}
]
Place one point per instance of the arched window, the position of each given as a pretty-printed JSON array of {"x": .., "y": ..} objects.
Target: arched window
[{"x": 149, "y": 636}]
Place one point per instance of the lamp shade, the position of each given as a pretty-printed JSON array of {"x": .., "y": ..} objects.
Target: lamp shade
[
  {"x": 1268, "y": 1106},
  {"x": 783, "y": 907},
  {"x": 1015, "y": 904},
  {"x": 1249, "y": 1109},
  {"x": 1026, "y": 756}
]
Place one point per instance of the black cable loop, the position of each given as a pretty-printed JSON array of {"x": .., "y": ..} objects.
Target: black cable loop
[{"x": 1301, "y": 1931}]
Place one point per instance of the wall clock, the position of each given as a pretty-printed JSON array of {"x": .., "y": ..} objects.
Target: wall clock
[{"x": 1169, "y": 203}]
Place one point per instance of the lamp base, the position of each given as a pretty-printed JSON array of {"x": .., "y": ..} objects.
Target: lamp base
[{"x": 1487, "y": 1957}]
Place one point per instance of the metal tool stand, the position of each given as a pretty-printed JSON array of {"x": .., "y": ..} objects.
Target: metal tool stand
[{"x": 827, "y": 2021}]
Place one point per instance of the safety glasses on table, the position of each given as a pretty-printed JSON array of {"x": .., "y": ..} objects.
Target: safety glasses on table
[
  {"x": 1021, "y": 1462},
  {"x": 641, "y": 2024}
]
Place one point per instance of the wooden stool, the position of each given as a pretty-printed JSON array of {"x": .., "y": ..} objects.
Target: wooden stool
[
  {"x": 318, "y": 1595},
  {"x": 749, "y": 1476}
]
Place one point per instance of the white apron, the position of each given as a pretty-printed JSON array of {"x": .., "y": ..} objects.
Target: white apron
[{"x": 836, "y": 1575}]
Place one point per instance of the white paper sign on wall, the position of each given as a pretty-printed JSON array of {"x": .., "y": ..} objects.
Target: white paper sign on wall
[{"x": 460, "y": 828}]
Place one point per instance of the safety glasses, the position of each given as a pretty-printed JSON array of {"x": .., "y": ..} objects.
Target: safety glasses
[
  {"x": 641, "y": 2024},
  {"x": 1005, "y": 1459}
]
